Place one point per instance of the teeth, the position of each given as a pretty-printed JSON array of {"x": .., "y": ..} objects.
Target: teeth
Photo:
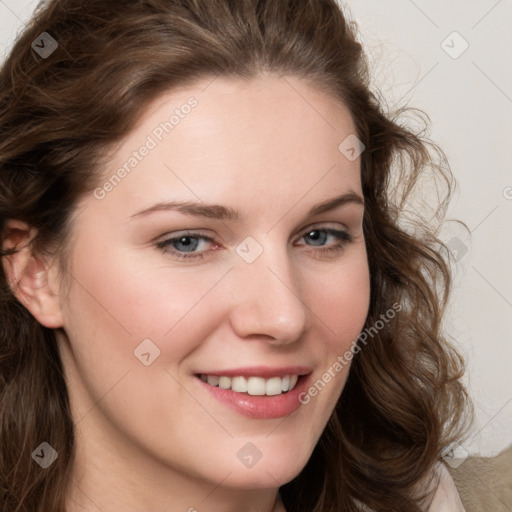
[
  {"x": 273, "y": 386},
  {"x": 212, "y": 380},
  {"x": 239, "y": 384},
  {"x": 285, "y": 383},
  {"x": 256, "y": 386},
  {"x": 225, "y": 382}
]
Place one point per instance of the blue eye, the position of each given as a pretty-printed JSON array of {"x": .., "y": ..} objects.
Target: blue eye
[
  {"x": 341, "y": 236},
  {"x": 185, "y": 245}
]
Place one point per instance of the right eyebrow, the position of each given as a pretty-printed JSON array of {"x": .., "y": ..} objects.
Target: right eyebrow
[{"x": 211, "y": 211}]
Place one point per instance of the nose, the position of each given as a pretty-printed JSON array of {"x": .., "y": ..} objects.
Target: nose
[{"x": 268, "y": 301}]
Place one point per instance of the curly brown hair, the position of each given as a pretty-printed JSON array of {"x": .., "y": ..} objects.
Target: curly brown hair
[{"x": 60, "y": 114}]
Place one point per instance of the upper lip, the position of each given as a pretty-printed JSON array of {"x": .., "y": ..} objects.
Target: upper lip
[{"x": 266, "y": 372}]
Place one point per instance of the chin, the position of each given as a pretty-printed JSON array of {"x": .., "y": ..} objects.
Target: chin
[
  {"x": 274, "y": 469},
  {"x": 262, "y": 478}
]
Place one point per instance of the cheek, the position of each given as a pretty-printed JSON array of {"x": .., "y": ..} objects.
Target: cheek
[
  {"x": 340, "y": 304},
  {"x": 118, "y": 296}
]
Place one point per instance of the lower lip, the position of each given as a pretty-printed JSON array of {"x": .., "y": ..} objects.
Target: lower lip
[{"x": 262, "y": 406}]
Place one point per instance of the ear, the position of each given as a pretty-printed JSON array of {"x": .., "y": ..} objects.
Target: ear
[{"x": 33, "y": 280}]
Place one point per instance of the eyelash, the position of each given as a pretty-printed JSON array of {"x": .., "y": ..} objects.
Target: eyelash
[{"x": 342, "y": 236}]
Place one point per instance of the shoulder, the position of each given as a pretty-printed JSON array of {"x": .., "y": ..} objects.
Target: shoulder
[{"x": 446, "y": 497}]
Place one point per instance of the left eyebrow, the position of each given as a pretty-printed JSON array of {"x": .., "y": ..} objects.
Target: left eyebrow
[
  {"x": 335, "y": 202},
  {"x": 217, "y": 211}
]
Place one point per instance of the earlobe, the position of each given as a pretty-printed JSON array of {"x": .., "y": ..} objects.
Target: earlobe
[{"x": 31, "y": 276}]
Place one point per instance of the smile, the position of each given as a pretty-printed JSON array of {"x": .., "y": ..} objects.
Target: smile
[{"x": 255, "y": 386}]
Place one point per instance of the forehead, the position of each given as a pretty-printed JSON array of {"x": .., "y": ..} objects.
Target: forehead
[
  {"x": 273, "y": 137},
  {"x": 267, "y": 100}
]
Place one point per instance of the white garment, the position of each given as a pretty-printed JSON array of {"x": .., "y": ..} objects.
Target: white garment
[{"x": 446, "y": 498}]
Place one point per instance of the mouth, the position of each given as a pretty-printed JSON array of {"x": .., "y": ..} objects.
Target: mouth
[
  {"x": 253, "y": 385},
  {"x": 257, "y": 392}
]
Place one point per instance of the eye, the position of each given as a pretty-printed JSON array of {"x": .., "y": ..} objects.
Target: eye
[
  {"x": 194, "y": 245},
  {"x": 320, "y": 235},
  {"x": 184, "y": 245}
]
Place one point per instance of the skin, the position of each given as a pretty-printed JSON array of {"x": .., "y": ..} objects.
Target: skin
[{"x": 150, "y": 437}]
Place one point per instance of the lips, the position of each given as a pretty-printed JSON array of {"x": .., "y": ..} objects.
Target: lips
[{"x": 257, "y": 392}]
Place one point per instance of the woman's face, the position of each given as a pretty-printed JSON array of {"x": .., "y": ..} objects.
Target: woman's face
[{"x": 161, "y": 295}]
